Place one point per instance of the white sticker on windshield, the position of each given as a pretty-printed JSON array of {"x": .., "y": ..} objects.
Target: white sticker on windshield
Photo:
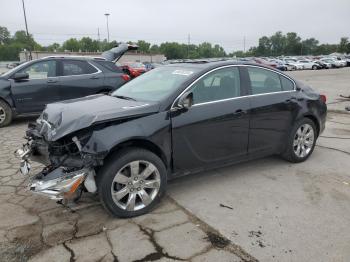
[{"x": 182, "y": 72}]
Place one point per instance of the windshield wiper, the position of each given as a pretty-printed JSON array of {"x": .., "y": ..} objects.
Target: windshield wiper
[{"x": 126, "y": 98}]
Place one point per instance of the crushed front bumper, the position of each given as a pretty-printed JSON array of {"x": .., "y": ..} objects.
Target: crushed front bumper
[{"x": 59, "y": 183}]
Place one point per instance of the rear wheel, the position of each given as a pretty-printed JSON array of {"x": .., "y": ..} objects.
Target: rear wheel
[
  {"x": 132, "y": 182},
  {"x": 301, "y": 142},
  {"x": 5, "y": 114},
  {"x": 314, "y": 67}
]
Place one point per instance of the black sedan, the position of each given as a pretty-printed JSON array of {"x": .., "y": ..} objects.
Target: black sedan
[
  {"x": 26, "y": 89},
  {"x": 174, "y": 120}
]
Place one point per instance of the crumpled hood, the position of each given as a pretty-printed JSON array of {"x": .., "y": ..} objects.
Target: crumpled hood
[{"x": 62, "y": 118}]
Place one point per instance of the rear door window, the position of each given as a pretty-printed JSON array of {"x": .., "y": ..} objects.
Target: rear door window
[
  {"x": 264, "y": 81},
  {"x": 287, "y": 84},
  {"x": 75, "y": 67}
]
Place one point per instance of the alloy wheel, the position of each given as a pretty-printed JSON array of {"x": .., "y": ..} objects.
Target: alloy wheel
[
  {"x": 2, "y": 114},
  {"x": 135, "y": 185},
  {"x": 304, "y": 140}
]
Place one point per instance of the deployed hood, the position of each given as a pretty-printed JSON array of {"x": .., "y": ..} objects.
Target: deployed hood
[
  {"x": 62, "y": 118},
  {"x": 116, "y": 53}
]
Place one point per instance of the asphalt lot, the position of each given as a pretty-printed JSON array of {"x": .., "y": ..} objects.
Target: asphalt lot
[{"x": 266, "y": 210}]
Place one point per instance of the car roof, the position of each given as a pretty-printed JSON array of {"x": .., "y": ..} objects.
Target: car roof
[
  {"x": 211, "y": 65},
  {"x": 74, "y": 58}
]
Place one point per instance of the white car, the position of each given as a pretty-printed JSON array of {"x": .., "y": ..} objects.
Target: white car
[
  {"x": 308, "y": 64},
  {"x": 333, "y": 62},
  {"x": 294, "y": 62}
]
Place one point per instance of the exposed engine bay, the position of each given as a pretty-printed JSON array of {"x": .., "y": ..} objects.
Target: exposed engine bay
[{"x": 67, "y": 172}]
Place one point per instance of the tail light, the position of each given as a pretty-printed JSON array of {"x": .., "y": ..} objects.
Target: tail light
[
  {"x": 125, "y": 77},
  {"x": 323, "y": 98}
]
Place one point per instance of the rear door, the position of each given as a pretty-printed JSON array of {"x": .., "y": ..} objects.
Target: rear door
[
  {"x": 215, "y": 128},
  {"x": 79, "y": 78},
  {"x": 273, "y": 107},
  {"x": 42, "y": 87}
]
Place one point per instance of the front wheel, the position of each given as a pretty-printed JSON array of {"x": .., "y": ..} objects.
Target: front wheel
[
  {"x": 314, "y": 67},
  {"x": 5, "y": 114},
  {"x": 132, "y": 182},
  {"x": 301, "y": 141}
]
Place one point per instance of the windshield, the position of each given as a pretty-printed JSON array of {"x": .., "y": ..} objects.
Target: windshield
[{"x": 156, "y": 84}]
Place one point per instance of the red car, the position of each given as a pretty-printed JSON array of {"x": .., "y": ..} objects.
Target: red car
[
  {"x": 133, "y": 69},
  {"x": 265, "y": 62}
]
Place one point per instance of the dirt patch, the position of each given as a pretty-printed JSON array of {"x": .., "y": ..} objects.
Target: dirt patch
[{"x": 217, "y": 240}]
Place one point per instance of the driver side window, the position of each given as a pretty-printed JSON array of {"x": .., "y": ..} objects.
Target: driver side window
[
  {"x": 218, "y": 85},
  {"x": 40, "y": 70}
]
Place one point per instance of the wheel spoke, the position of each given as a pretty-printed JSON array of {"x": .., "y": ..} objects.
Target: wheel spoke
[
  {"x": 134, "y": 168},
  {"x": 305, "y": 130},
  {"x": 295, "y": 143},
  {"x": 145, "y": 198},
  {"x": 152, "y": 183},
  {"x": 148, "y": 171},
  {"x": 130, "y": 204},
  {"x": 121, "y": 193},
  {"x": 121, "y": 179}
]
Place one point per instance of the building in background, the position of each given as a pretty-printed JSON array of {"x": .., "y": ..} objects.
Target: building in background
[{"x": 127, "y": 57}]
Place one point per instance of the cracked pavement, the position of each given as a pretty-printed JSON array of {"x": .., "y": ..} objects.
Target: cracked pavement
[
  {"x": 268, "y": 211},
  {"x": 34, "y": 228}
]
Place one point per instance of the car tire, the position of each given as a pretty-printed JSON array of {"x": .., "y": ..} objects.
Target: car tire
[
  {"x": 5, "y": 114},
  {"x": 131, "y": 182},
  {"x": 301, "y": 141},
  {"x": 314, "y": 67}
]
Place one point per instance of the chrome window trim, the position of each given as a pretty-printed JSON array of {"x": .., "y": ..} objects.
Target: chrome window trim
[{"x": 232, "y": 98}]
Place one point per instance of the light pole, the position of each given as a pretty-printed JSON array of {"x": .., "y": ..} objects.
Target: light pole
[
  {"x": 107, "y": 27},
  {"x": 28, "y": 38}
]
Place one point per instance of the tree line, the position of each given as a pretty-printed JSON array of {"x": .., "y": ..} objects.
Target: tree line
[{"x": 275, "y": 45}]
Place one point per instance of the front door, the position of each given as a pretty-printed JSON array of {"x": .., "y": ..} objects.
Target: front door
[
  {"x": 32, "y": 94},
  {"x": 215, "y": 128}
]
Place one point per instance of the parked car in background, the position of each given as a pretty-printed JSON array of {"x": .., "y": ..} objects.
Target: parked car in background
[
  {"x": 323, "y": 64},
  {"x": 174, "y": 120},
  {"x": 334, "y": 63},
  {"x": 265, "y": 62},
  {"x": 27, "y": 88},
  {"x": 308, "y": 64},
  {"x": 13, "y": 65},
  {"x": 294, "y": 63},
  {"x": 133, "y": 69}
]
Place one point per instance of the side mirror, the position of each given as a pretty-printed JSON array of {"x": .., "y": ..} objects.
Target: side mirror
[
  {"x": 20, "y": 76},
  {"x": 186, "y": 101}
]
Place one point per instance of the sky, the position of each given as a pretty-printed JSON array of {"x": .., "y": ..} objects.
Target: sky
[{"x": 224, "y": 22}]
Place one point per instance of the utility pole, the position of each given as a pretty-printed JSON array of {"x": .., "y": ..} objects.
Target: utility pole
[
  {"x": 98, "y": 34},
  {"x": 188, "y": 45},
  {"x": 28, "y": 39},
  {"x": 244, "y": 44},
  {"x": 106, "y": 14}
]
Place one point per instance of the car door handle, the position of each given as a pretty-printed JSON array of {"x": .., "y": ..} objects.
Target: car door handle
[{"x": 52, "y": 81}]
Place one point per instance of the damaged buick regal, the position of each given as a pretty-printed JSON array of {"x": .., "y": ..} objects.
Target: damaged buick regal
[{"x": 172, "y": 121}]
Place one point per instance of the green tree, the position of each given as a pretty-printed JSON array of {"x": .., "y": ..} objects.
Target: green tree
[
  {"x": 71, "y": 44},
  {"x": 4, "y": 35},
  {"x": 309, "y": 46},
  {"x": 278, "y": 43},
  {"x": 344, "y": 45},
  {"x": 293, "y": 44},
  {"x": 144, "y": 46}
]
